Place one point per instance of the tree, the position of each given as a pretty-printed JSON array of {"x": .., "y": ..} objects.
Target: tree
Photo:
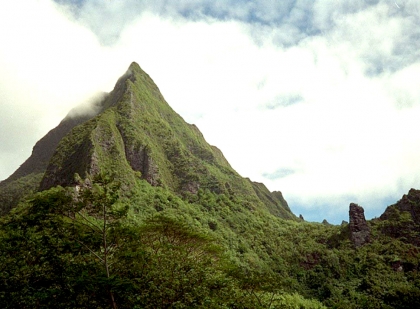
[
  {"x": 72, "y": 229},
  {"x": 96, "y": 212},
  {"x": 181, "y": 266}
]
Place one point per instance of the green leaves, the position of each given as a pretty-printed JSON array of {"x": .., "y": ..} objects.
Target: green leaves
[{"x": 92, "y": 246}]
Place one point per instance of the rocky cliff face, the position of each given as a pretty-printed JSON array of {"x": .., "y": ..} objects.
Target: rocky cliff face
[
  {"x": 359, "y": 229},
  {"x": 140, "y": 160}
]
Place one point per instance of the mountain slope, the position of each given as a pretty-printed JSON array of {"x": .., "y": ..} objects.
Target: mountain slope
[
  {"x": 27, "y": 177},
  {"x": 138, "y": 135},
  {"x": 157, "y": 218},
  {"x": 402, "y": 220}
]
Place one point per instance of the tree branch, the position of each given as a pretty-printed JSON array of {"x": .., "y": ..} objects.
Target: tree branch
[{"x": 91, "y": 251}]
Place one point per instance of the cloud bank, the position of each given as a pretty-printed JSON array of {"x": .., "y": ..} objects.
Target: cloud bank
[{"x": 317, "y": 99}]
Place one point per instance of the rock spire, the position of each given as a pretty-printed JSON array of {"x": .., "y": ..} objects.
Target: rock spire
[{"x": 359, "y": 230}]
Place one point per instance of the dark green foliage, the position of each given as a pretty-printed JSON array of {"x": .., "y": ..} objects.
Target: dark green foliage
[
  {"x": 211, "y": 252},
  {"x": 13, "y": 191},
  {"x": 180, "y": 266},
  {"x": 402, "y": 220},
  {"x": 176, "y": 227},
  {"x": 82, "y": 249}
]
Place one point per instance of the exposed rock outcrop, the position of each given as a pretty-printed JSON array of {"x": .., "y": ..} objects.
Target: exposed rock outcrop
[
  {"x": 402, "y": 220},
  {"x": 191, "y": 187},
  {"x": 140, "y": 160},
  {"x": 359, "y": 230},
  {"x": 325, "y": 222},
  {"x": 410, "y": 203}
]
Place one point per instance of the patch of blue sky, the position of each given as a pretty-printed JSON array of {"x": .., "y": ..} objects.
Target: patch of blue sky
[
  {"x": 76, "y": 3},
  {"x": 279, "y": 173},
  {"x": 284, "y": 101},
  {"x": 296, "y": 13},
  {"x": 321, "y": 210}
]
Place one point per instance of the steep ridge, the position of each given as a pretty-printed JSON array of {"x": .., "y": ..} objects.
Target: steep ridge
[
  {"x": 402, "y": 220},
  {"x": 27, "y": 177},
  {"x": 135, "y": 135},
  {"x": 180, "y": 228}
]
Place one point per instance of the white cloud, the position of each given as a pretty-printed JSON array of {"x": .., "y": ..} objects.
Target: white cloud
[
  {"x": 332, "y": 114},
  {"x": 49, "y": 64}
]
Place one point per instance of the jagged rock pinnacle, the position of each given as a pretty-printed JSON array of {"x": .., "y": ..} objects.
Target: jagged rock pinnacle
[{"x": 359, "y": 230}]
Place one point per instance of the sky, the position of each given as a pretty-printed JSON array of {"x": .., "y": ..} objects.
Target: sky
[{"x": 318, "y": 99}]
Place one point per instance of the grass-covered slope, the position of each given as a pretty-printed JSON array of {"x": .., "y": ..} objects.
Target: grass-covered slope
[{"x": 139, "y": 135}]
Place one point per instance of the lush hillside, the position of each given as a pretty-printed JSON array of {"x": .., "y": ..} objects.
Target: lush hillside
[
  {"x": 136, "y": 210},
  {"x": 139, "y": 132},
  {"x": 152, "y": 249},
  {"x": 136, "y": 134}
]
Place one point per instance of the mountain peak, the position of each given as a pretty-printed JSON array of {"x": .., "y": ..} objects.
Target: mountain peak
[
  {"x": 134, "y": 77},
  {"x": 137, "y": 136},
  {"x": 134, "y": 66}
]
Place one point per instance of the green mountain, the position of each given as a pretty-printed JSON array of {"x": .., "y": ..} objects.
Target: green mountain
[
  {"x": 137, "y": 134},
  {"x": 132, "y": 208},
  {"x": 403, "y": 218}
]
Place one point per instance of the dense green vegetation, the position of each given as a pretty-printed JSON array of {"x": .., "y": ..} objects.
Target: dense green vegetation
[
  {"x": 92, "y": 248},
  {"x": 135, "y": 210},
  {"x": 13, "y": 191},
  {"x": 139, "y": 132},
  {"x": 95, "y": 248}
]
